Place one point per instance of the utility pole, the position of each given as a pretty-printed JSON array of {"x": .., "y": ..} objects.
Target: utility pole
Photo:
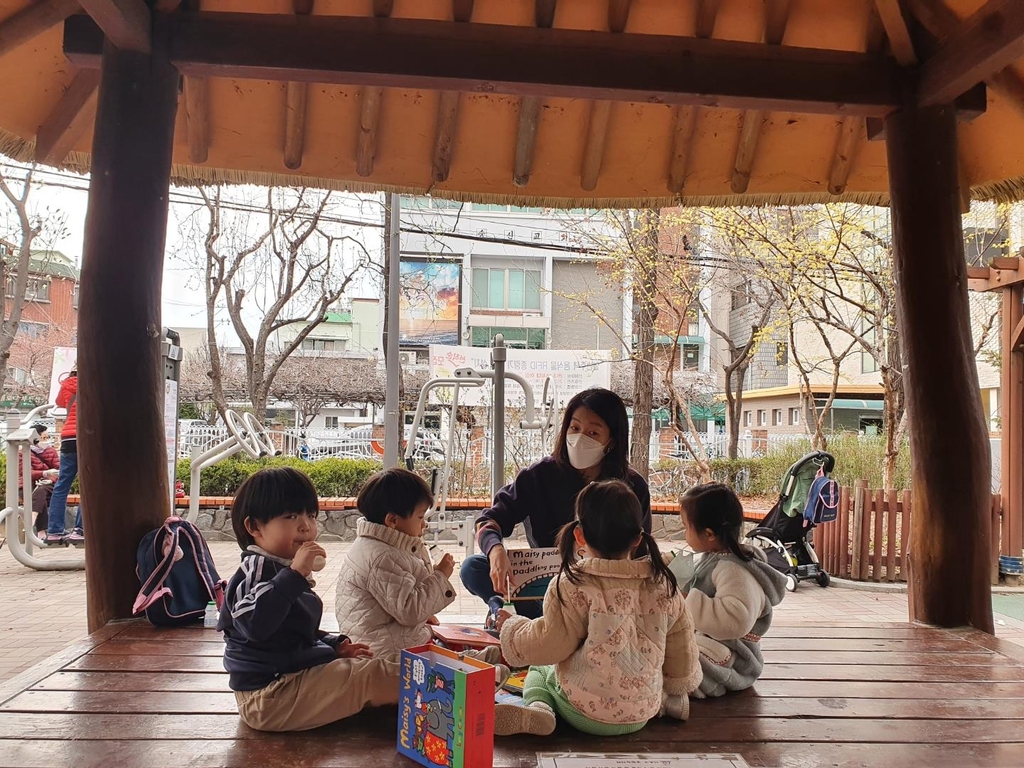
[{"x": 392, "y": 362}]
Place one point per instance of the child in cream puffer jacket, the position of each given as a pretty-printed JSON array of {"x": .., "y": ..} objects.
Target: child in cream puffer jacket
[
  {"x": 388, "y": 590},
  {"x": 616, "y": 645}
]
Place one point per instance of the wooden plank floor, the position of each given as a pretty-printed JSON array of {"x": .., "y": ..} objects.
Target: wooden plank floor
[{"x": 836, "y": 696}]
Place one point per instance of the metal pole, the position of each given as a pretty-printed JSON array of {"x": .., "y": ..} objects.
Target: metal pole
[
  {"x": 393, "y": 365},
  {"x": 499, "y": 354}
]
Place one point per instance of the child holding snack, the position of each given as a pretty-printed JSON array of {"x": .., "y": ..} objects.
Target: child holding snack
[{"x": 286, "y": 673}]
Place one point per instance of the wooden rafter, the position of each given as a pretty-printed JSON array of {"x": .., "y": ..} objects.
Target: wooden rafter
[
  {"x": 296, "y": 100},
  {"x": 448, "y": 112},
  {"x": 846, "y": 151},
  {"x": 197, "y": 118},
  {"x": 369, "y": 110},
  {"x": 600, "y": 113},
  {"x": 126, "y": 23},
  {"x": 969, "y": 106},
  {"x": 444, "y": 141},
  {"x": 33, "y": 21},
  {"x": 891, "y": 14},
  {"x": 529, "y": 109},
  {"x": 597, "y": 132},
  {"x": 1017, "y": 337},
  {"x": 707, "y": 14},
  {"x": 986, "y": 43},
  {"x": 852, "y": 126},
  {"x": 404, "y": 53},
  {"x": 685, "y": 118},
  {"x": 942, "y": 22},
  {"x": 69, "y": 120},
  {"x": 776, "y": 18}
]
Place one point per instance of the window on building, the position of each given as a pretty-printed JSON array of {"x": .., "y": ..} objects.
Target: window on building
[
  {"x": 691, "y": 357},
  {"x": 777, "y": 417},
  {"x": 762, "y": 418},
  {"x": 31, "y": 330},
  {"x": 513, "y": 289},
  {"x": 331, "y": 422},
  {"x": 324, "y": 345},
  {"x": 794, "y": 417},
  {"x": 74, "y": 296},
  {"x": 746, "y": 418},
  {"x": 519, "y": 338},
  {"x": 741, "y": 295},
  {"x": 781, "y": 353},
  {"x": 37, "y": 288}
]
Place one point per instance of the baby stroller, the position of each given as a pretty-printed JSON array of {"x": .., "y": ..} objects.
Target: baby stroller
[{"x": 784, "y": 533}]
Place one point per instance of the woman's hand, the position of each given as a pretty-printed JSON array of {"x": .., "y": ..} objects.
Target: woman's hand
[{"x": 501, "y": 570}]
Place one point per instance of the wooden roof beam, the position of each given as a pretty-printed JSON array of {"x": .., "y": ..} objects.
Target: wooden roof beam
[
  {"x": 685, "y": 118},
  {"x": 942, "y": 23},
  {"x": 562, "y": 62},
  {"x": 296, "y": 100},
  {"x": 448, "y": 112},
  {"x": 891, "y": 14},
  {"x": 33, "y": 21},
  {"x": 529, "y": 109},
  {"x": 776, "y": 18},
  {"x": 126, "y": 23},
  {"x": 986, "y": 43},
  {"x": 969, "y": 106},
  {"x": 370, "y": 99},
  {"x": 1001, "y": 273},
  {"x": 68, "y": 121}
]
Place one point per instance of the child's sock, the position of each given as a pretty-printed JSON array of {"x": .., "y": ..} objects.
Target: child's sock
[{"x": 536, "y": 718}]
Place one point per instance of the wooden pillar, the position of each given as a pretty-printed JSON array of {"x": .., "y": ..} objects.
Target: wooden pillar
[
  {"x": 951, "y": 465},
  {"x": 1012, "y": 410},
  {"x": 122, "y": 454}
]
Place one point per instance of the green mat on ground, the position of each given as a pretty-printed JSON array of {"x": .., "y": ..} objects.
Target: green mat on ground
[{"x": 1009, "y": 605}]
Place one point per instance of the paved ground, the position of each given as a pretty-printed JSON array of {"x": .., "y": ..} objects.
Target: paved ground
[{"x": 42, "y": 612}]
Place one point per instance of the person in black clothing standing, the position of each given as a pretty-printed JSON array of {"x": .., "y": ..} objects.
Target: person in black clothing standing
[{"x": 592, "y": 444}]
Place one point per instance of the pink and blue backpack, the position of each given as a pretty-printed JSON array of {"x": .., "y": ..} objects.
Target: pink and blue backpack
[
  {"x": 822, "y": 500},
  {"x": 178, "y": 575}
]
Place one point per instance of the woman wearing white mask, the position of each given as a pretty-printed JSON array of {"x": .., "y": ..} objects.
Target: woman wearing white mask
[{"x": 593, "y": 444}]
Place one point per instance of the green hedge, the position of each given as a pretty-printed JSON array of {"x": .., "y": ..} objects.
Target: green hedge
[{"x": 331, "y": 477}]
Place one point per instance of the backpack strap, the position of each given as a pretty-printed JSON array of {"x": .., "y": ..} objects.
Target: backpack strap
[
  {"x": 154, "y": 587},
  {"x": 214, "y": 584}
]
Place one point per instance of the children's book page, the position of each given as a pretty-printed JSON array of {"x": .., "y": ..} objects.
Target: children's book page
[
  {"x": 675, "y": 760},
  {"x": 532, "y": 570}
]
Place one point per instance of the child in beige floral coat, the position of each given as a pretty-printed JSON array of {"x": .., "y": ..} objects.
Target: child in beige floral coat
[{"x": 616, "y": 645}]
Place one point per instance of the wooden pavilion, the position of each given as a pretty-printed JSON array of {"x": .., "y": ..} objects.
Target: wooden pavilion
[{"x": 918, "y": 103}]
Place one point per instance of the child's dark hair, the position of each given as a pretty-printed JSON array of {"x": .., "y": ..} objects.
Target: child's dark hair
[
  {"x": 269, "y": 493},
  {"x": 394, "y": 490},
  {"x": 609, "y": 514},
  {"x": 716, "y": 507}
]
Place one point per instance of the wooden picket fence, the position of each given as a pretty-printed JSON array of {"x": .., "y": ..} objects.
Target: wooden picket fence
[{"x": 868, "y": 540}]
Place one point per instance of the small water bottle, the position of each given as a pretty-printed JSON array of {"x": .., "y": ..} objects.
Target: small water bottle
[{"x": 211, "y": 615}]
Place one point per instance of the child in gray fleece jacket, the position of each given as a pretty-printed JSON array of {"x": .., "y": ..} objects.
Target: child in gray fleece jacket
[{"x": 731, "y": 593}]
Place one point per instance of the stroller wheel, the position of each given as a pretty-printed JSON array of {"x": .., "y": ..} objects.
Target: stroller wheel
[
  {"x": 823, "y": 579},
  {"x": 791, "y": 582}
]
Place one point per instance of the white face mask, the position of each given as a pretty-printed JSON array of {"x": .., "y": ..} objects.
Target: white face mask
[{"x": 584, "y": 451}]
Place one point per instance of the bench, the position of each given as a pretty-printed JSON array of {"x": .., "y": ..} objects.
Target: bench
[{"x": 837, "y": 695}]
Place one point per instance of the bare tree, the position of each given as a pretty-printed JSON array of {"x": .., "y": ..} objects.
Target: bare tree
[
  {"x": 279, "y": 265},
  {"x": 23, "y": 225},
  {"x": 310, "y": 383}
]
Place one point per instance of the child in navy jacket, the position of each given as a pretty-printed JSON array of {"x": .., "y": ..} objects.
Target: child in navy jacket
[{"x": 286, "y": 673}]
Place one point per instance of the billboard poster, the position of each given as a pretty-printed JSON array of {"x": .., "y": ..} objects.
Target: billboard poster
[{"x": 429, "y": 302}]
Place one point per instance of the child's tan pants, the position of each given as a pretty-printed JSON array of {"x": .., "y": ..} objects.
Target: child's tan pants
[{"x": 313, "y": 697}]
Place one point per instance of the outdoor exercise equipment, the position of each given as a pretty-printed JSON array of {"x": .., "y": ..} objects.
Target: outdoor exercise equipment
[
  {"x": 245, "y": 433},
  {"x": 19, "y": 441},
  {"x": 468, "y": 378}
]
